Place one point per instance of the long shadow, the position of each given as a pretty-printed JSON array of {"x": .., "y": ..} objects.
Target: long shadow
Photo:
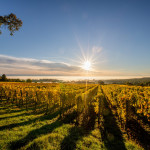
[
  {"x": 34, "y": 134},
  {"x": 11, "y": 110},
  {"x": 84, "y": 129},
  {"x": 69, "y": 142},
  {"x": 23, "y": 114},
  {"x": 41, "y": 118},
  {"x": 76, "y": 133},
  {"x": 111, "y": 134},
  {"x": 3, "y": 108},
  {"x": 16, "y": 111},
  {"x": 137, "y": 133},
  {"x": 143, "y": 119},
  {"x": 46, "y": 129}
]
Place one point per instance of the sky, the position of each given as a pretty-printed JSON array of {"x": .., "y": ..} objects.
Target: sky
[{"x": 58, "y": 36}]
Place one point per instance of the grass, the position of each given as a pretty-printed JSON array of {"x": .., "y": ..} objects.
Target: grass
[{"x": 25, "y": 130}]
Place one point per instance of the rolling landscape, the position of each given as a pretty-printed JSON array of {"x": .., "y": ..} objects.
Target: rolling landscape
[{"x": 74, "y": 75}]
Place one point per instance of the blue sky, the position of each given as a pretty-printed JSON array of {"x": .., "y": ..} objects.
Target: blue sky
[{"x": 55, "y": 35}]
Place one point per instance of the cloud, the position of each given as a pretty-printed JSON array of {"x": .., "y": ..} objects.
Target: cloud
[
  {"x": 29, "y": 66},
  {"x": 9, "y": 64},
  {"x": 96, "y": 49}
]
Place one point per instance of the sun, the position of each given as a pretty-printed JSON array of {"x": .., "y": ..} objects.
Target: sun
[{"x": 86, "y": 65}]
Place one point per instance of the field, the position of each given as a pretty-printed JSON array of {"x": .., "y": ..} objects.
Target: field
[{"x": 74, "y": 116}]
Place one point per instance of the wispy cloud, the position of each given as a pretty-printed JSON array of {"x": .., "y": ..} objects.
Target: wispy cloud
[{"x": 29, "y": 66}]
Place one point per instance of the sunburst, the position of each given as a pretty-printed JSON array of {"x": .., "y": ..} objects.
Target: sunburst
[{"x": 87, "y": 65}]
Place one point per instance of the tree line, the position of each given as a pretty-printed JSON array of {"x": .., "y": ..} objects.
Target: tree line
[{"x": 3, "y": 78}]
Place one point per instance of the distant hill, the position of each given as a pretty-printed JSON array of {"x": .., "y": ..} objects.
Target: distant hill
[{"x": 135, "y": 81}]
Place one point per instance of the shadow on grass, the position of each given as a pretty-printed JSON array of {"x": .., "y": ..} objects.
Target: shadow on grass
[
  {"x": 11, "y": 111},
  {"x": 76, "y": 133},
  {"x": 16, "y": 111},
  {"x": 23, "y": 114},
  {"x": 111, "y": 134},
  {"x": 86, "y": 125},
  {"x": 47, "y": 116},
  {"x": 13, "y": 108},
  {"x": 3, "y": 108},
  {"x": 41, "y": 118},
  {"x": 34, "y": 134},
  {"x": 46, "y": 129},
  {"x": 137, "y": 133},
  {"x": 69, "y": 142}
]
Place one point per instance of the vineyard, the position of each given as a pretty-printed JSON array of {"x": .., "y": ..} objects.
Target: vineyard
[{"x": 74, "y": 116}]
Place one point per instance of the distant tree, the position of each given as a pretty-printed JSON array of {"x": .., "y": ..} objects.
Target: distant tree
[
  {"x": 148, "y": 83},
  {"x": 3, "y": 78},
  {"x": 23, "y": 81},
  {"x": 11, "y": 22},
  {"x": 101, "y": 82},
  {"x": 29, "y": 80}
]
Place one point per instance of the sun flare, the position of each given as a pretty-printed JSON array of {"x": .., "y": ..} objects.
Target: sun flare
[{"x": 86, "y": 65}]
